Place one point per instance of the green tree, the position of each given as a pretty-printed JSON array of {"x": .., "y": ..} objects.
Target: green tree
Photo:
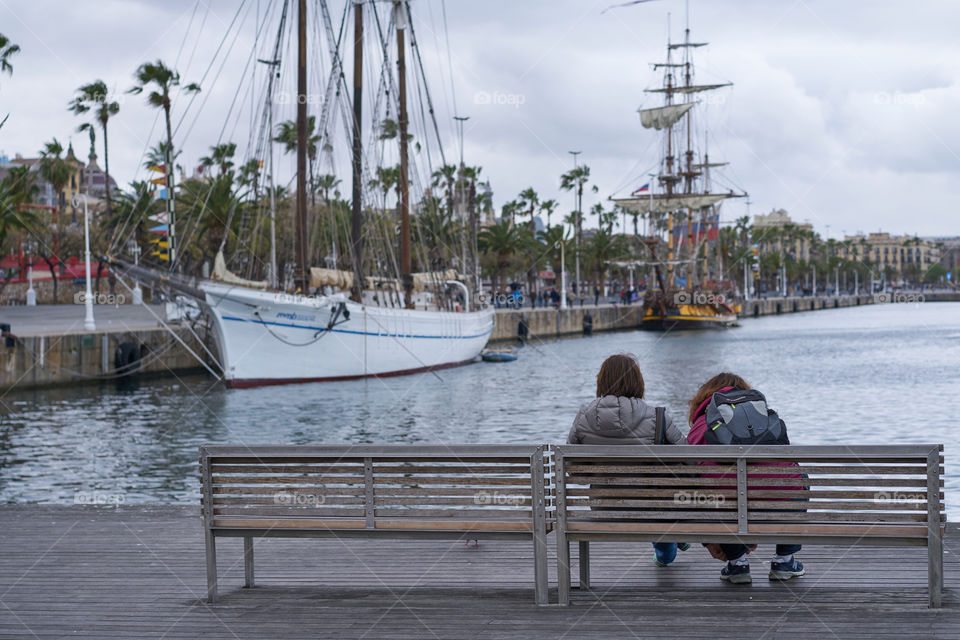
[
  {"x": 500, "y": 241},
  {"x": 96, "y": 98},
  {"x": 286, "y": 134}
]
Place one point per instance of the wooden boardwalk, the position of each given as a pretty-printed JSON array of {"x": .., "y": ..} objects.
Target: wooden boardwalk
[{"x": 138, "y": 572}]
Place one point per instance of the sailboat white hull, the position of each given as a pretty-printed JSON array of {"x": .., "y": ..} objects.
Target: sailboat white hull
[{"x": 268, "y": 338}]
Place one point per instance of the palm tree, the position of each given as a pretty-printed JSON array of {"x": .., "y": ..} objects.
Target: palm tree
[
  {"x": 446, "y": 177},
  {"x": 12, "y": 217},
  {"x": 327, "y": 183},
  {"x": 547, "y": 207},
  {"x": 95, "y": 97},
  {"x": 7, "y": 49},
  {"x": 528, "y": 200},
  {"x": 501, "y": 241},
  {"x": 287, "y": 136},
  {"x": 221, "y": 155}
]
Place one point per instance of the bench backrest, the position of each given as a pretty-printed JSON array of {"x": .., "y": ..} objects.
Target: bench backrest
[
  {"x": 893, "y": 490},
  {"x": 500, "y": 487}
]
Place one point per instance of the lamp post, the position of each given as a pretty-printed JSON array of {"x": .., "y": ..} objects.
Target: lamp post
[
  {"x": 88, "y": 322},
  {"x": 563, "y": 277},
  {"x": 576, "y": 226},
  {"x": 137, "y": 291},
  {"x": 31, "y": 294}
]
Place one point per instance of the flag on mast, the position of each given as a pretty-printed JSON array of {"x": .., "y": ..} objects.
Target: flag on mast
[{"x": 642, "y": 189}]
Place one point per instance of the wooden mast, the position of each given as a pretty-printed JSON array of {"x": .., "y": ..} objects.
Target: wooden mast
[
  {"x": 302, "y": 276},
  {"x": 405, "y": 262},
  {"x": 356, "y": 227}
]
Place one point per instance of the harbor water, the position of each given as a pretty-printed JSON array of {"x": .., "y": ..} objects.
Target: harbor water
[{"x": 879, "y": 374}]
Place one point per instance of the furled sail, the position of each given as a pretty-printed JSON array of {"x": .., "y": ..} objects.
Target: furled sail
[
  {"x": 221, "y": 273},
  {"x": 335, "y": 278},
  {"x": 343, "y": 280},
  {"x": 663, "y": 117},
  {"x": 691, "y": 89},
  {"x": 661, "y": 203}
]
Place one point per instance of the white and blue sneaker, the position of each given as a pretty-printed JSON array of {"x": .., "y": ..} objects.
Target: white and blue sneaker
[
  {"x": 786, "y": 570},
  {"x": 736, "y": 573}
]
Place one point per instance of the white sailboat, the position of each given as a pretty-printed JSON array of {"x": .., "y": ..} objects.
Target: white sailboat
[{"x": 356, "y": 325}]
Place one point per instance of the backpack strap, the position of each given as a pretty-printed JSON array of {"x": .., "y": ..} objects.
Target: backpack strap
[{"x": 660, "y": 427}]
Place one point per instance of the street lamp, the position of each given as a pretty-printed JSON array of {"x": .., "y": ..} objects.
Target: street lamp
[
  {"x": 88, "y": 322},
  {"x": 31, "y": 294},
  {"x": 576, "y": 225},
  {"x": 137, "y": 291}
]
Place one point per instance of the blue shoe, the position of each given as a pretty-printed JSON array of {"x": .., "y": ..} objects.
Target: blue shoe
[
  {"x": 736, "y": 573},
  {"x": 683, "y": 546},
  {"x": 786, "y": 570}
]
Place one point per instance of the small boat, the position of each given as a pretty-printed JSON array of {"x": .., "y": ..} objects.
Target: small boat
[{"x": 503, "y": 354}]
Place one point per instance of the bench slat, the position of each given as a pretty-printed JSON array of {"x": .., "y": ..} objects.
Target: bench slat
[
  {"x": 513, "y": 500},
  {"x": 288, "y": 510},
  {"x": 452, "y": 513},
  {"x": 280, "y": 469},
  {"x": 300, "y": 491},
  {"x": 460, "y": 469},
  {"x": 473, "y": 480}
]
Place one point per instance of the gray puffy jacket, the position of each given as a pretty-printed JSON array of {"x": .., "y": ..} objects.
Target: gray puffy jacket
[{"x": 619, "y": 420}]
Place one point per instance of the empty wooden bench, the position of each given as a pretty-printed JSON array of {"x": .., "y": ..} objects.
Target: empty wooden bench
[
  {"x": 861, "y": 495},
  {"x": 453, "y": 492}
]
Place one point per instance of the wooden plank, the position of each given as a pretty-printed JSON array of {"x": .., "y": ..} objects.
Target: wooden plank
[
  {"x": 452, "y": 513},
  {"x": 665, "y": 528},
  {"x": 280, "y": 469},
  {"x": 288, "y": 498},
  {"x": 300, "y": 491},
  {"x": 459, "y": 469},
  {"x": 821, "y": 516},
  {"x": 238, "y": 522},
  {"x": 400, "y": 451},
  {"x": 840, "y": 506},
  {"x": 899, "y": 453},
  {"x": 476, "y": 481},
  {"x": 288, "y": 510},
  {"x": 434, "y": 491},
  {"x": 638, "y": 493},
  {"x": 419, "y": 524},
  {"x": 478, "y": 499},
  {"x": 681, "y": 469},
  {"x": 860, "y": 530},
  {"x": 609, "y": 514},
  {"x": 286, "y": 480}
]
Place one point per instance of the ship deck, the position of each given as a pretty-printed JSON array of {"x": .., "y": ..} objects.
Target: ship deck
[{"x": 138, "y": 572}]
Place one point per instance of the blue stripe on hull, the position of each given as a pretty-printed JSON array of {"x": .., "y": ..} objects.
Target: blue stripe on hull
[{"x": 361, "y": 333}]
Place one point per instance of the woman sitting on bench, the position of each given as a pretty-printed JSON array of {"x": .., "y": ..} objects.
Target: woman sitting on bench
[{"x": 619, "y": 415}]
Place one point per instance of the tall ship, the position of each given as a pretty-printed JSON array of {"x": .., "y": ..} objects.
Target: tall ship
[
  {"x": 687, "y": 290},
  {"x": 373, "y": 308}
]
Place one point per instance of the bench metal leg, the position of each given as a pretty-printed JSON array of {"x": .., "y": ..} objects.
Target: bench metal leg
[
  {"x": 211, "y": 544},
  {"x": 584, "y": 564},
  {"x": 541, "y": 588},
  {"x": 563, "y": 569},
  {"x": 935, "y": 571},
  {"x": 248, "y": 562}
]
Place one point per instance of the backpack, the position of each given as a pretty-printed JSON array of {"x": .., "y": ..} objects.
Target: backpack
[{"x": 741, "y": 417}]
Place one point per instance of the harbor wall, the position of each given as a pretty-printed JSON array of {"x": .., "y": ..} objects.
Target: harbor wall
[
  {"x": 74, "y": 358},
  {"x": 550, "y": 322}
]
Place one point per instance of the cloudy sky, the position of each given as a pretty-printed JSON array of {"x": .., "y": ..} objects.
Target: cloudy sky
[{"x": 842, "y": 113}]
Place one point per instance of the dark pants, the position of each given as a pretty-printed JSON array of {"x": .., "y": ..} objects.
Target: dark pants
[{"x": 734, "y": 551}]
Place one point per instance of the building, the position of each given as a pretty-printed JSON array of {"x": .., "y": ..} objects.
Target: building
[
  {"x": 886, "y": 252},
  {"x": 948, "y": 249},
  {"x": 777, "y": 233},
  {"x": 87, "y": 179}
]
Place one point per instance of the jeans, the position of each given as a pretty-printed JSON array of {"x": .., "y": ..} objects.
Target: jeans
[
  {"x": 734, "y": 551},
  {"x": 666, "y": 552}
]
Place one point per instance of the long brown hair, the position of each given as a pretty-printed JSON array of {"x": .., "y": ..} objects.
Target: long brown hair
[
  {"x": 711, "y": 386},
  {"x": 620, "y": 376}
]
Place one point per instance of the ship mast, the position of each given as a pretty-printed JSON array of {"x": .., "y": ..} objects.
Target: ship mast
[
  {"x": 356, "y": 226},
  {"x": 400, "y": 17},
  {"x": 302, "y": 277}
]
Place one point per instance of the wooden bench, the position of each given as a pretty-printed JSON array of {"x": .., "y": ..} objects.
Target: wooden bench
[
  {"x": 861, "y": 495},
  {"x": 462, "y": 492}
]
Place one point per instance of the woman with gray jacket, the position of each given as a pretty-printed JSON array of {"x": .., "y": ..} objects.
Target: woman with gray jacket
[{"x": 618, "y": 415}]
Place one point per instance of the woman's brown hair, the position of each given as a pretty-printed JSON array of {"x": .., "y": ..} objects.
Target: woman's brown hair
[
  {"x": 620, "y": 376},
  {"x": 711, "y": 386}
]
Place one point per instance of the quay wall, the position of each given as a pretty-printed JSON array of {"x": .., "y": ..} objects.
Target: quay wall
[
  {"x": 73, "y": 358},
  {"x": 549, "y": 322}
]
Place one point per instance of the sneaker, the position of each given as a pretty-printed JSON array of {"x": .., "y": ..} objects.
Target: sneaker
[
  {"x": 660, "y": 563},
  {"x": 736, "y": 573},
  {"x": 786, "y": 570},
  {"x": 683, "y": 546}
]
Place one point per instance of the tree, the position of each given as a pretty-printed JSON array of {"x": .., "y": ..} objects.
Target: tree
[
  {"x": 287, "y": 136},
  {"x": 221, "y": 156},
  {"x": 547, "y": 207},
  {"x": 500, "y": 241},
  {"x": 95, "y": 97},
  {"x": 7, "y": 50},
  {"x": 935, "y": 273}
]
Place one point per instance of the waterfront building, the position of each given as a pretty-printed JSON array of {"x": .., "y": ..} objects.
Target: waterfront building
[
  {"x": 776, "y": 232},
  {"x": 897, "y": 255},
  {"x": 87, "y": 179},
  {"x": 948, "y": 249}
]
